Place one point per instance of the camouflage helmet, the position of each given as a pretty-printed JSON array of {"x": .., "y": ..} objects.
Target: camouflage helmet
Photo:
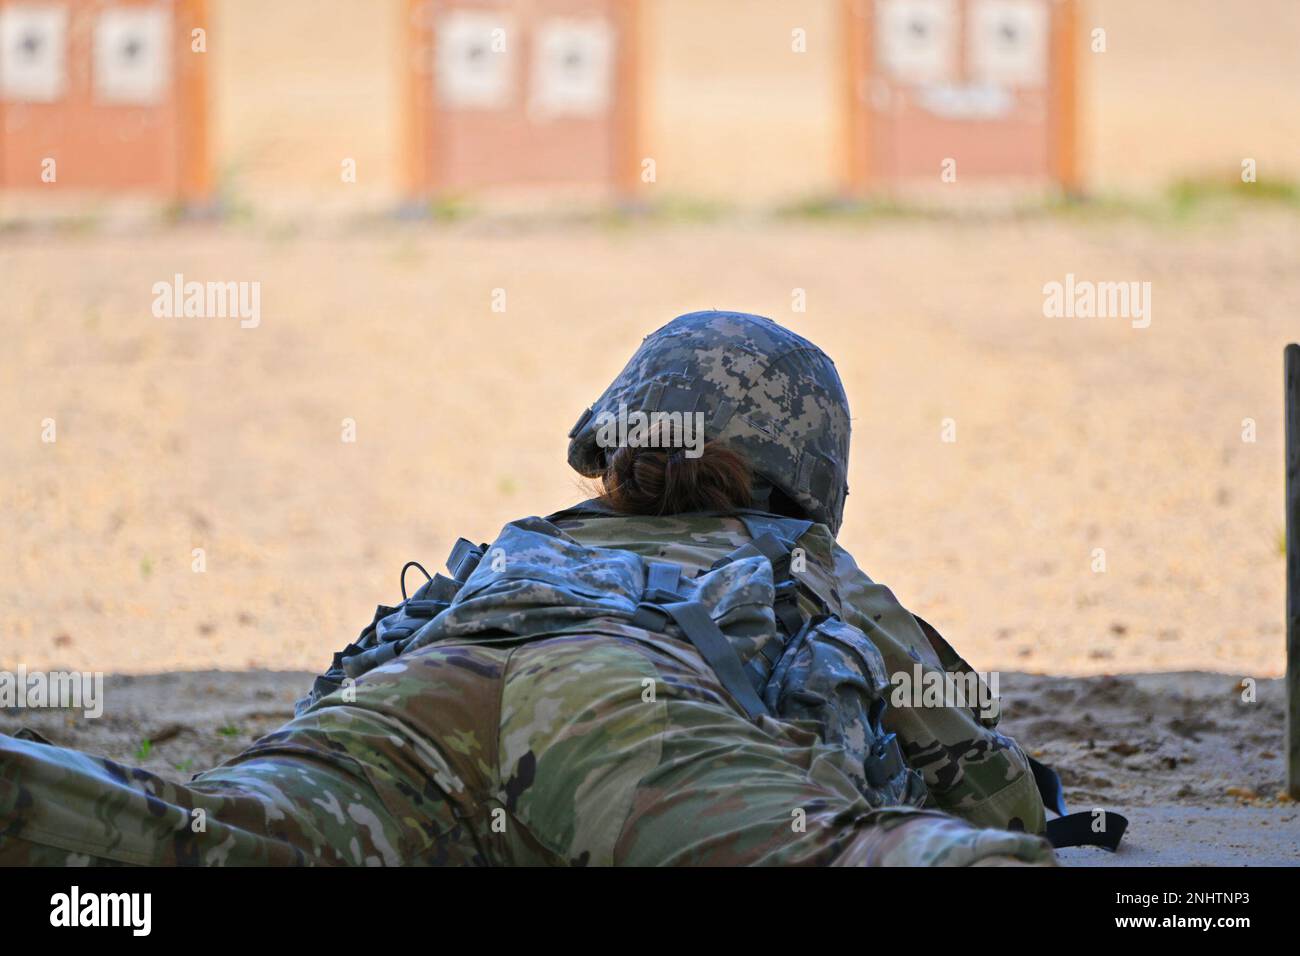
[{"x": 762, "y": 391}]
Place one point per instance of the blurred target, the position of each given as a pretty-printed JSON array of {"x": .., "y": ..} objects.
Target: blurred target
[
  {"x": 572, "y": 68},
  {"x": 132, "y": 55},
  {"x": 917, "y": 39},
  {"x": 1006, "y": 42},
  {"x": 33, "y": 58},
  {"x": 473, "y": 60}
]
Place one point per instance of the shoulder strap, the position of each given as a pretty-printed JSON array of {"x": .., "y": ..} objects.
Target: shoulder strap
[
  {"x": 694, "y": 620},
  {"x": 661, "y": 602},
  {"x": 775, "y": 538},
  {"x": 788, "y": 531}
]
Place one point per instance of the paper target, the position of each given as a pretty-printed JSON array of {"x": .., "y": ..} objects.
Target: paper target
[
  {"x": 572, "y": 68},
  {"x": 917, "y": 40},
  {"x": 474, "y": 57},
  {"x": 33, "y": 57},
  {"x": 133, "y": 55},
  {"x": 1007, "y": 42}
]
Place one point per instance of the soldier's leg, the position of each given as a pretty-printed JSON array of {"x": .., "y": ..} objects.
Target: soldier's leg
[
  {"x": 60, "y": 806},
  {"x": 376, "y": 774},
  {"x": 422, "y": 730},
  {"x": 619, "y": 752}
]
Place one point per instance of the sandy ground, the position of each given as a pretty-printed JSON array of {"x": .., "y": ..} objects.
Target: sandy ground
[{"x": 1078, "y": 442}]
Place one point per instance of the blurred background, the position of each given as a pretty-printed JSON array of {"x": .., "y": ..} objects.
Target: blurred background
[{"x": 460, "y": 217}]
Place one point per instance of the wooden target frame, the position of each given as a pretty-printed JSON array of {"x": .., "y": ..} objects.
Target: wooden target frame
[
  {"x": 448, "y": 150},
  {"x": 865, "y": 165},
  {"x": 115, "y": 141}
]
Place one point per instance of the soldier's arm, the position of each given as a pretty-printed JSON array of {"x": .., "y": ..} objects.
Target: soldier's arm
[{"x": 971, "y": 770}]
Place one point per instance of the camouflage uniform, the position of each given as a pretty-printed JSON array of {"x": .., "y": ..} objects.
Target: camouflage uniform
[
  {"x": 544, "y": 727},
  {"x": 488, "y": 750}
]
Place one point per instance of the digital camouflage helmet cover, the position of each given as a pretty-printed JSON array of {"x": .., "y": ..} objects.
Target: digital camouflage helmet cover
[{"x": 761, "y": 390}]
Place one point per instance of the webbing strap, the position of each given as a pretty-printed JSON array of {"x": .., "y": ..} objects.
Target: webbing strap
[
  {"x": 786, "y": 607},
  {"x": 661, "y": 601},
  {"x": 1078, "y": 829},
  {"x": 693, "y": 618},
  {"x": 762, "y": 663},
  {"x": 766, "y": 543},
  {"x": 885, "y": 761},
  {"x": 786, "y": 530},
  {"x": 1074, "y": 829},
  {"x": 786, "y": 598},
  {"x": 769, "y": 546},
  {"x": 1049, "y": 786}
]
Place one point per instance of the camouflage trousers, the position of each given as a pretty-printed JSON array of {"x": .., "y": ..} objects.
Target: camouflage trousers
[{"x": 579, "y": 749}]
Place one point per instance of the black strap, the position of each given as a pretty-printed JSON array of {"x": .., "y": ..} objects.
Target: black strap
[
  {"x": 1079, "y": 829},
  {"x": 660, "y": 601},
  {"x": 885, "y": 761},
  {"x": 693, "y": 618},
  {"x": 766, "y": 545},
  {"x": 771, "y": 539},
  {"x": 777, "y": 551},
  {"x": 1074, "y": 829},
  {"x": 788, "y": 531},
  {"x": 1049, "y": 786}
]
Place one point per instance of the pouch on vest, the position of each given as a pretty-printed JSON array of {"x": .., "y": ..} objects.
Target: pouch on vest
[{"x": 832, "y": 677}]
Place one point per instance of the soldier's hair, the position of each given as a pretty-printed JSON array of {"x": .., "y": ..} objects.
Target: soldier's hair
[{"x": 664, "y": 481}]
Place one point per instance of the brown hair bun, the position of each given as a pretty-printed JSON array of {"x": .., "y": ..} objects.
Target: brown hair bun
[{"x": 664, "y": 481}]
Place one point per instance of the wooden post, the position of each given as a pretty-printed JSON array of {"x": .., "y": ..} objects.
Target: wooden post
[
  {"x": 416, "y": 65},
  {"x": 1291, "y": 363},
  {"x": 194, "y": 185},
  {"x": 625, "y": 171},
  {"x": 1064, "y": 109},
  {"x": 855, "y": 164}
]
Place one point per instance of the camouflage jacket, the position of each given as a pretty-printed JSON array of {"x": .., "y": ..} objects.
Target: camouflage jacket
[{"x": 969, "y": 768}]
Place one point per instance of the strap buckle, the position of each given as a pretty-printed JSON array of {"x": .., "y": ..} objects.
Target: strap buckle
[{"x": 884, "y": 762}]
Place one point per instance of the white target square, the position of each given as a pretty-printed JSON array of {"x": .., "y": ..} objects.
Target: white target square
[
  {"x": 473, "y": 65},
  {"x": 916, "y": 40},
  {"x": 33, "y": 52},
  {"x": 133, "y": 55},
  {"x": 573, "y": 67},
  {"x": 1007, "y": 42}
]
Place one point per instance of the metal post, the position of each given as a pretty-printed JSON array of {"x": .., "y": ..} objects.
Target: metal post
[{"x": 1291, "y": 363}]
